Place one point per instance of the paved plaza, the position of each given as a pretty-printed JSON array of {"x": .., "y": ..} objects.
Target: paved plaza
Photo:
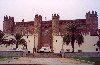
[{"x": 43, "y": 61}]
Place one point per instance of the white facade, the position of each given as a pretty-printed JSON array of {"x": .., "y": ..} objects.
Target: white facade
[
  {"x": 30, "y": 43},
  {"x": 87, "y": 46}
]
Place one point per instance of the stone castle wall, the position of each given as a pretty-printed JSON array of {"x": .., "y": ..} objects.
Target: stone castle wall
[{"x": 47, "y": 29}]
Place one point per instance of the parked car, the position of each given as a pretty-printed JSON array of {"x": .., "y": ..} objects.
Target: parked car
[
  {"x": 18, "y": 49},
  {"x": 12, "y": 49},
  {"x": 44, "y": 49}
]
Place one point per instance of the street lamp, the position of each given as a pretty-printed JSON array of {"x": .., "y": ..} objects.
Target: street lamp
[
  {"x": 34, "y": 49},
  {"x": 62, "y": 41},
  {"x": 62, "y": 50}
]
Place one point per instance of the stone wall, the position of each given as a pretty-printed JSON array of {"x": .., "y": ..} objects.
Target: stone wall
[
  {"x": 13, "y": 53},
  {"x": 58, "y": 55},
  {"x": 83, "y": 54},
  {"x": 47, "y": 55}
]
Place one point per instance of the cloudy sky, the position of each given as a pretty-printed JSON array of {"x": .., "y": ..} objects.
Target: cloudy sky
[{"x": 67, "y": 9}]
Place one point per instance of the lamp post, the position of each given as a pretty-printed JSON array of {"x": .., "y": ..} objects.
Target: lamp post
[
  {"x": 62, "y": 50},
  {"x": 34, "y": 49},
  {"x": 62, "y": 41}
]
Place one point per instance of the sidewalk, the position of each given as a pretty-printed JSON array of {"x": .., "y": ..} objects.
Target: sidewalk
[{"x": 43, "y": 61}]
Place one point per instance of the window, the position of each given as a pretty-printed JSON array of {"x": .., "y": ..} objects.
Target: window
[
  {"x": 68, "y": 50},
  {"x": 56, "y": 40},
  {"x": 27, "y": 36},
  {"x": 45, "y": 26},
  {"x": 79, "y": 50},
  {"x": 96, "y": 49},
  {"x": 44, "y": 48}
]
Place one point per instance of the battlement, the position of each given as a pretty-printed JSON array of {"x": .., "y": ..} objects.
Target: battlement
[
  {"x": 55, "y": 16},
  {"x": 6, "y": 18},
  {"x": 38, "y": 16},
  {"x": 91, "y": 14}
]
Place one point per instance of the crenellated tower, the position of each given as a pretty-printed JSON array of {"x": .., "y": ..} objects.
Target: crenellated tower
[
  {"x": 37, "y": 23},
  {"x": 55, "y": 24},
  {"x": 8, "y": 25},
  {"x": 37, "y": 28},
  {"x": 92, "y": 22}
]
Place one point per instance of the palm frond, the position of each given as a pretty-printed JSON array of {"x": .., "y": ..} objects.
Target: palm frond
[
  {"x": 79, "y": 39},
  {"x": 18, "y": 36},
  {"x": 98, "y": 44}
]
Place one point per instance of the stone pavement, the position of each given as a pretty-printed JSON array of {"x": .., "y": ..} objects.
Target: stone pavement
[{"x": 43, "y": 61}]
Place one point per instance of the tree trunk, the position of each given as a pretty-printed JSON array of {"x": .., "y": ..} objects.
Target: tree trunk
[
  {"x": 72, "y": 43},
  {"x": 73, "y": 50},
  {"x": 26, "y": 46},
  {"x": 17, "y": 44}
]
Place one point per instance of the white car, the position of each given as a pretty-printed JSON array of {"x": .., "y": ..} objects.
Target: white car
[
  {"x": 44, "y": 49},
  {"x": 12, "y": 49},
  {"x": 18, "y": 49}
]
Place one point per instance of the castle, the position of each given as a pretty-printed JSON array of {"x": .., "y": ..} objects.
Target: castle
[{"x": 47, "y": 29}]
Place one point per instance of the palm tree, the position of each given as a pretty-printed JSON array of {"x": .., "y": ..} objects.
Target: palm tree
[
  {"x": 2, "y": 38},
  {"x": 98, "y": 42},
  {"x": 23, "y": 42},
  {"x": 18, "y": 40},
  {"x": 73, "y": 33}
]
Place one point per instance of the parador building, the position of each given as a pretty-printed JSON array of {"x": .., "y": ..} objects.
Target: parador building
[{"x": 46, "y": 30}]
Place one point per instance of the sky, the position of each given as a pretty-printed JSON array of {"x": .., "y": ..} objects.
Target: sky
[{"x": 67, "y": 9}]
